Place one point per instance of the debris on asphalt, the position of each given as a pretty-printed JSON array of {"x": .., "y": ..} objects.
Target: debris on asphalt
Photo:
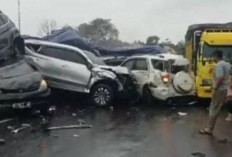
[
  {"x": 74, "y": 114},
  {"x": 15, "y": 131},
  {"x": 182, "y": 113},
  {"x": 25, "y": 125},
  {"x": 2, "y": 141},
  {"x": 52, "y": 109},
  {"x": 199, "y": 154},
  {"x": 5, "y": 120},
  {"x": 222, "y": 141},
  {"x": 10, "y": 127},
  {"x": 75, "y": 135},
  {"x": 192, "y": 103},
  {"x": 70, "y": 127},
  {"x": 81, "y": 121}
]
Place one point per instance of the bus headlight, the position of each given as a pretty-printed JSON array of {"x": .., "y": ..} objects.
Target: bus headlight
[{"x": 206, "y": 82}]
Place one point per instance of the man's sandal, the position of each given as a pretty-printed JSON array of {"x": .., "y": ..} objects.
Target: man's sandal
[{"x": 205, "y": 132}]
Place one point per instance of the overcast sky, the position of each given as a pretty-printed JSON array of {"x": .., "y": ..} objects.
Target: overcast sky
[{"x": 135, "y": 19}]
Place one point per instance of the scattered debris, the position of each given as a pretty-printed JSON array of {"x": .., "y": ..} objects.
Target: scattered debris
[
  {"x": 198, "y": 154},
  {"x": 5, "y": 120},
  {"x": 25, "y": 125},
  {"x": 222, "y": 141},
  {"x": 192, "y": 103},
  {"x": 10, "y": 127},
  {"x": 70, "y": 127},
  {"x": 75, "y": 135},
  {"x": 81, "y": 121},
  {"x": 182, "y": 113},
  {"x": 52, "y": 109},
  {"x": 2, "y": 141},
  {"x": 15, "y": 131},
  {"x": 74, "y": 114}
]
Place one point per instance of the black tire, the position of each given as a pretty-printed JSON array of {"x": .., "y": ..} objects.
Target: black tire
[
  {"x": 102, "y": 95},
  {"x": 147, "y": 96}
]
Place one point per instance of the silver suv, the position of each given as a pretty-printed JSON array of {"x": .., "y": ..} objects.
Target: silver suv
[{"x": 67, "y": 67}]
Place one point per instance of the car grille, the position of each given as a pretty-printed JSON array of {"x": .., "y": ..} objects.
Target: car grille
[{"x": 29, "y": 89}]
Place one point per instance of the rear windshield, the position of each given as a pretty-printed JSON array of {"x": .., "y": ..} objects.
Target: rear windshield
[
  {"x": 160, "y": 65},
  {"x": 175, "y": 69}
]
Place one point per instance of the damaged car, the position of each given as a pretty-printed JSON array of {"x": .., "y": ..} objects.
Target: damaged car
[
  {"x": 20, "y": 83},
  {"x": 67, "y": 67},
  {"x": 162, "y": 76}
]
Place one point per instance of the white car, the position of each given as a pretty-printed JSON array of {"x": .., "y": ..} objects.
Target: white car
[{"x": 162, "y": 76}]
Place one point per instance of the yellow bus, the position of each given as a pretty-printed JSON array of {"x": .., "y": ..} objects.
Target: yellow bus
[{"x": 200, "y": 41}]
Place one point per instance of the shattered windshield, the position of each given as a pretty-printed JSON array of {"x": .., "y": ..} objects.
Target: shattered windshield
[{"x": 208, "y": 51}]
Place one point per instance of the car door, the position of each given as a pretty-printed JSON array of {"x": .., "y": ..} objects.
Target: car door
[
  {"x": 139, "y": 69},
  {"x": 75, "y": 73}
]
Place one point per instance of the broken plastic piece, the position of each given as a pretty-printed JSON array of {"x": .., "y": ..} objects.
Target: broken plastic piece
[
  {"x": 182, "y": 113},
  {"x": 5, "y": 120},
  {"x": 198, "y": 154},
  {"x": 15, "y": 131},
  {"x": 75, "y": 135},
  {"x": 70, "y": 127}
]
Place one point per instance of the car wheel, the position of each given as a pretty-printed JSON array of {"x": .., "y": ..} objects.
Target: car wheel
[
  {"x": 147, "y": 96},
  {"x": 102, "y": 95}
]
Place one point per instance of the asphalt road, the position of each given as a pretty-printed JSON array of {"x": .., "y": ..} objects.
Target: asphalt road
[{"x": 123, "y": 131}]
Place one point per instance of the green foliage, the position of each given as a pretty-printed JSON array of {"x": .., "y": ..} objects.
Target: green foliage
[
  {"x": 153, "y": 40},
  {"x": 98, "y": 30}
]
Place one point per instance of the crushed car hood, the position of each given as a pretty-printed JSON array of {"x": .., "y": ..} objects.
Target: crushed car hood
[
  {"x": 18, "y": 76},
  {"x": 116, "y": 69}
]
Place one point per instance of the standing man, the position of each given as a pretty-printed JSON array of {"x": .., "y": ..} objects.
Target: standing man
[{"x": 220, "y": 85}]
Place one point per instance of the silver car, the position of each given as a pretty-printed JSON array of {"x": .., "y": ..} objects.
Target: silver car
[
  {"x": 20, "y": 83},
  {"x": 67, "y": 67}
]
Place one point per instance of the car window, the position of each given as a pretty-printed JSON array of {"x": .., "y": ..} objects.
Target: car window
[
  {"x": 140, "y": 64},
  {"x": 129, "y": 64},
  {"x": 63, "y": 54},
  {"x": 2, "y": 22},
  {"x": 158, "y": 64}
]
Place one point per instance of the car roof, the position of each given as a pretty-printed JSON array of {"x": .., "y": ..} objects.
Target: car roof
[
  {"x": 48, "y": 43},
  {"x": 164, "y": 57}
]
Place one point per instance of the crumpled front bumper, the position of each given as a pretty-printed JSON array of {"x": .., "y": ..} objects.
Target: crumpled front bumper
[
  {"x": 43, "y": 91},
  {"x": 164, "y": 93}
]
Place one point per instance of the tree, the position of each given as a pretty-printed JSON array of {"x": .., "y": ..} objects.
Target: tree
[
  {"x": 153, "y": 40},
  {"x": 47, "y": 27},
  {"x": 180, "y": 47},
  {"x": 98, "y": 30}
]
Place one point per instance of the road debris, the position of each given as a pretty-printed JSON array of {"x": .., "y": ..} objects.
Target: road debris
[
  {"x": 2, "y": 141},
  {"x": 222, "y": 141},
  {"x": 199, "y": 154},
  {"x": 5, "y": 120},
  {"x": 182, "y": 113},
  {"x": 81, "y": 121},
  {"x": 75, "y": 135},
  {"x": 70, "y": 127},
  {"x": 74, "y": 114},
  {"x": 52, "y": 109},
  {"x": 15, "y": 131},
  {"x": 192, "y": 103},
  {"x": 25, "y": 125}
]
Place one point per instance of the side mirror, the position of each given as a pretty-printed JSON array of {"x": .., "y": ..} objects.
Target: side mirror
[{"x": 89, "y": 65}]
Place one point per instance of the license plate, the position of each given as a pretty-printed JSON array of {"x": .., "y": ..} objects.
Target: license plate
[{"x": 22, "y": 105}]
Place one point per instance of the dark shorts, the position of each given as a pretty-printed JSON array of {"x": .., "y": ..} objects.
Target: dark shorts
[{"x": 229, "y": 105}]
